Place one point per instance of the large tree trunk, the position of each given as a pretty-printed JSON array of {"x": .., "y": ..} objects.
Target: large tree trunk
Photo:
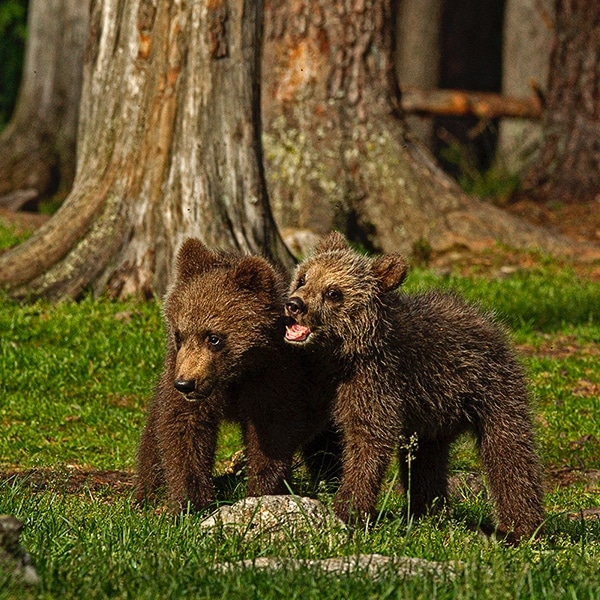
[
  {"x": 37, "y": 148},
  {"x": 568, "y": 164},
  {"x": 169, "y": 147},
  {"x": 337, "y": 153},
  {"x": 527, "y": 42}
]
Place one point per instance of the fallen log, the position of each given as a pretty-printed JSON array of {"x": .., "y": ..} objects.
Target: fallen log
[{"x": 462, "y": 103}]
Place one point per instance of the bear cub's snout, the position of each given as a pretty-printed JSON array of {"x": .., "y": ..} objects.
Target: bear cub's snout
[{"x": 185, "y": 386}]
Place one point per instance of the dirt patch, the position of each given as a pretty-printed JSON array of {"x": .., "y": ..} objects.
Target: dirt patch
[
  {"x": 22, "y": 221},
  {"x": 559, "y": 347},
  {"x": 580, "y": 221},
  {"x": 585, "y": 514},
  {"x": 577, "y": 221},
  {"x": 566, "y": 477},
  {"x": 71, "y": 480}
]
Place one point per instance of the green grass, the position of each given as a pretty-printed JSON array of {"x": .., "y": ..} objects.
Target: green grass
[
  {"x": 546, "y": 297},
  {"x": 10, "y": 236},
  {"x": 74, "y": 380}
]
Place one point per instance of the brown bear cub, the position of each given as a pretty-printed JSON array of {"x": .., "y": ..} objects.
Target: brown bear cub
[
  {"x": 426, "y": 365},
  {"x": 226, "y": 359}
]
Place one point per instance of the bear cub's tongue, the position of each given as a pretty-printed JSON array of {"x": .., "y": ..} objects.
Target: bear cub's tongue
[{"x": 296, "y": 332}]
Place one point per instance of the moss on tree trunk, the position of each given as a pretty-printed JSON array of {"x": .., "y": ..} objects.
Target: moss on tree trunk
[{"x": 338, "y": 151}]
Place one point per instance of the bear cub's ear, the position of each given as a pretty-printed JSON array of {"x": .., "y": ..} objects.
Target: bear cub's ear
[
  {"x": 390, "y": 270},
  {"x": 332, "y": 241},
  {"x": 194, "y": 258},
  {"x": 255, "y": 274}
]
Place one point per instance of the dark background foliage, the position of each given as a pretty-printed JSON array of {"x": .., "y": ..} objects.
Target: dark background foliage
[{"x": 13, "y": 28}]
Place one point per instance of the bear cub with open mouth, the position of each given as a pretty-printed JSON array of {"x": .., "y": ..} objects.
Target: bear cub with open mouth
[{"x": 427, "y": 366}]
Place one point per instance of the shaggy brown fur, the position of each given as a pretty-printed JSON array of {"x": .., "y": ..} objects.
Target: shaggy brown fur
[
  {"x": 426, "y": 365},
  {"x": 226, "y": 359}
]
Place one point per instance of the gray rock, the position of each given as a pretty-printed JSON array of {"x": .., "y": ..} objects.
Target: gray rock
[
  {"x": 373, "y": 566},
  {"x": 275, "y": 518},
  {"x": 300, "y": 241},
  {"x": 279, "y": 518},
  {"x": 14, "y": 560}
]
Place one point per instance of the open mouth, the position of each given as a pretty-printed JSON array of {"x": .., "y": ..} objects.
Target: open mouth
[
  {"x": 193, "y": 397},
  {"x": 197, "y": 395},
  {"x": 294, "y": 332}
]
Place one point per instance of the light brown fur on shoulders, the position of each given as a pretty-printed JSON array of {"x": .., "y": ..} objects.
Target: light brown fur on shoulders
[{"x": 426, "y": 367}]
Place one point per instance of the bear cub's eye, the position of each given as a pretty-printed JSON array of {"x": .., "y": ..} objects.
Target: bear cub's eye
[
  {"x": 333, "y": 294},
  {"x": 214, "y": 341},
  {"x": 301, "y": 281}
]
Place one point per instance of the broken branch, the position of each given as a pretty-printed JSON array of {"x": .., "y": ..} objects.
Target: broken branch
[{"x": 460, "y": 103}]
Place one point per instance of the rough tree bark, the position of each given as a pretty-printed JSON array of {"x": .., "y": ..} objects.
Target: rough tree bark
[
  {"x": 568, "y": 164},
  {"x": 37, "y": 148},
  {"x": 337, "y": 153},
  {"x": 168, "y": 147}
]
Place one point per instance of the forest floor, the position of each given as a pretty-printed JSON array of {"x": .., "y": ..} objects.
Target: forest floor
[
  {"x": 578, "y": 221},
  {"x": 76, "y": 378}
]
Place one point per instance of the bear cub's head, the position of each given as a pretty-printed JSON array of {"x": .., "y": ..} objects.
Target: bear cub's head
[
  {"x": 222, "y": 312},
  {"x": 336, "y": 295}
]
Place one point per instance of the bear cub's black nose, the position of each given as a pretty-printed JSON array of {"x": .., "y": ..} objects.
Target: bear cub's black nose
[
  {"x": 185, "y": 386},
  {"x": 295, "y": 306}
]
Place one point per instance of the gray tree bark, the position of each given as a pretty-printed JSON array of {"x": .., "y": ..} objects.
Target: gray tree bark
[
  {"x": 169, "y": 147},
  {"x": 37, "y": 148},
  {"x": 527, "y": 43},
  {"x": 417, "y": 54}
]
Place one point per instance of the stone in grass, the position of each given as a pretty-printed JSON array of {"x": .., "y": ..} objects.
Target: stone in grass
[
  {"x": 373, "y": 566},
  {"x": 275, "y": 518},
  {"x": 15, "y": 562}
]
